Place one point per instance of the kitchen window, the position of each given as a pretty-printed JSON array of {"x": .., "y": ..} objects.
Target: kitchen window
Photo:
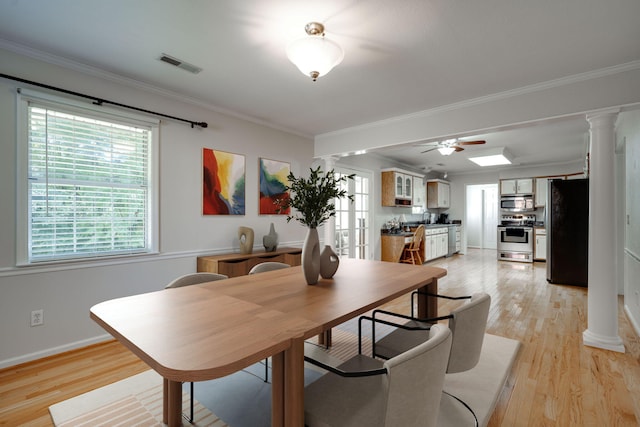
[{"x": 86, "y": 181}]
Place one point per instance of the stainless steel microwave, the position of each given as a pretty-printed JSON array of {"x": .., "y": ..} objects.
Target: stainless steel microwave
[{"x": 522, "y": 203}]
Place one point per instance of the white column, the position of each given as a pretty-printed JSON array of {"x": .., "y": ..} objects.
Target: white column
[
  {"x": 330, "y": 225},
  {"x": 602, "y": 316}
]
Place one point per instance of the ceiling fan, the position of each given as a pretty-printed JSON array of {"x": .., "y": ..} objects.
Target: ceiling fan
[{"x": 448, "y": 146}]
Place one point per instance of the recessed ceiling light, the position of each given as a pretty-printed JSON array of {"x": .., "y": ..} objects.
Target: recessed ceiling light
[{"x": 492, "y": 157}]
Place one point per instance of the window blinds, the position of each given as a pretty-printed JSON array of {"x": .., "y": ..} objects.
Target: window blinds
[{"x": 88, "y": 185}]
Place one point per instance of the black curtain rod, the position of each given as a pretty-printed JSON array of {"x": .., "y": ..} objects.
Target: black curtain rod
[{"x": 100, "y": 101}]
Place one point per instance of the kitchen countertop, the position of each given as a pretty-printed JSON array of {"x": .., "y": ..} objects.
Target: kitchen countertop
[
  {"x": 414, "y": 225},
  {"x": 396, "y": 233}
]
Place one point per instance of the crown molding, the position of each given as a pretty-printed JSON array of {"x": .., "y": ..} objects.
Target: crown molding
[{"x": 116, "y": 78}]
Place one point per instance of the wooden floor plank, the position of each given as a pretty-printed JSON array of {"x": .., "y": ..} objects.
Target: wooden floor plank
[{"x": 556, "y": 380}]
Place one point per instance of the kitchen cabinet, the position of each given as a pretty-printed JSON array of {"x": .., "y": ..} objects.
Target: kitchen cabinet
[
  {"x": 516, "y": 186},
  {"x": 540, "y": 248},
  {"x": 541, "y": 192},
  {"x": 438, "y": 194},
  {"x": 458, "y": 238},
  {"x": 397, "y": 188},
  {"x": 403, "y": 185},
  {"x": 392, "y": 246},
  {"x": 436, "y": 243},
  {"x": 442, "y": 244},
  {"x": 419, "y": 194},
  {"x": 429, "y": 245}
]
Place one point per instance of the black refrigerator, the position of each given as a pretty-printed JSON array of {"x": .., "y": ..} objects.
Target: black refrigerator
[{"x": 567, "y": 223}]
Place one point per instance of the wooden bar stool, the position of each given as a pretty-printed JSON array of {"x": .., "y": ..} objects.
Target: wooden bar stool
[{"x": 411, "y": 252}]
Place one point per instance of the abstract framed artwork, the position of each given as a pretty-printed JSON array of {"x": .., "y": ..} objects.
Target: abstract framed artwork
[
  {"x": 273, "y": 180},
  {"x": 223, "y": 183}
]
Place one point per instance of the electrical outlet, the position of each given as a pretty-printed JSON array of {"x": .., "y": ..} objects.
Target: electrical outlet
[{"x": 37, "y": 317}]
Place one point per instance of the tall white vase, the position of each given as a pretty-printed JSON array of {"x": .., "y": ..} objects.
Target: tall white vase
[{"x": 311, "y": 256}]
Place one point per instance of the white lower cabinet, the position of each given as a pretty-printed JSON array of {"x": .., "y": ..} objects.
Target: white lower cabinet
[
  {"x": 540, "y": 249},
  {"x": 436, "y": 243}
]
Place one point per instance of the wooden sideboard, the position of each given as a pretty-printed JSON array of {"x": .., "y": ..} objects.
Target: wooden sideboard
[{"x": 237, "y": 264}]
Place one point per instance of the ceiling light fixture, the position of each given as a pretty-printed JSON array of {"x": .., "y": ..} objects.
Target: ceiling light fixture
[
  {"x": 492, "y": 157},
  {"x": 446, "y": 151},
  {"x": 315, "y": 55}
]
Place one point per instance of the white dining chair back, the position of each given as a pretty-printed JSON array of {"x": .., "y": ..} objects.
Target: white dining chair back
[
  {"x": 268, "y": 266},
  {"x": 195, "y": 279},
  {"x": 406, "y": 395}
]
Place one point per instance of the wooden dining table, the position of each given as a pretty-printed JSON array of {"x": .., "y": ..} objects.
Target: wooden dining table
[{"x": 208, "y": 331}]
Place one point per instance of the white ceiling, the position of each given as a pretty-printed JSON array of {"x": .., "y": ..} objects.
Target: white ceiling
[{"x": 400, "y": 56}]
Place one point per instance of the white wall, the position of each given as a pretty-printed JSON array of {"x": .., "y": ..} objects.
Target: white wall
[
  {"x": 628, "y": 130},
  {"x": 67, "y": 292}
]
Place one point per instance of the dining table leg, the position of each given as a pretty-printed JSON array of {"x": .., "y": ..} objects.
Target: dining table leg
[
  {"x": 171, "y": 403},
  {"x": 277, "y": 390},
  {"x": 294, "y": 384},
  {"x": 428, "y": 306}
]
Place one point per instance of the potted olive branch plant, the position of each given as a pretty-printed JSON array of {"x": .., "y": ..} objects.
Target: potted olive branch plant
[{"x": 313, "y": 199}]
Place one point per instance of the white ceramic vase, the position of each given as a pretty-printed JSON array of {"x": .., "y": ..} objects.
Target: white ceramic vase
[
  {"x": 311, "y": 256},
  {"x": 329, "y": 262}
]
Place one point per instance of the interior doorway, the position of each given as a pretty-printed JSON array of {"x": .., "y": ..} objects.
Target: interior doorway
[
  {"x": 482, "y": 216},
  {"x": 353, "y": 233}
]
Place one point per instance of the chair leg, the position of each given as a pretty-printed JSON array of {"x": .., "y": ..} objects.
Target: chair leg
[
  {"x": 266, "y": 370},
  {"x": 475, "y": 418},
  {"x": 190, "y": 417}
]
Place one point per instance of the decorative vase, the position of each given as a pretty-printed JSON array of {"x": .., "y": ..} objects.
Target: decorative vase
[
  {"x": 311, "y": 256},
  {"x": 270, "y": 241},
  {"x": 245, "y": 236},
  {"x": 329, "y": 262}
]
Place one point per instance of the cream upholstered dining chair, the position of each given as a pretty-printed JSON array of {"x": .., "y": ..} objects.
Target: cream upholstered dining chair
[
  {"x": 268, "y": 266},
  {"x": 194, "y": 279},
  {"x": 403, "y": 391},
  {"x": 467, "y": 323},
  {"x": 411, "y": 252},
  {"x": 187, "y": 280},
  {"x": 261, "y": 268}
]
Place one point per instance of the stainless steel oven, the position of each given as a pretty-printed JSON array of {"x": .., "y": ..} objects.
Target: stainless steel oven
[{"x": 515, "y": 243}]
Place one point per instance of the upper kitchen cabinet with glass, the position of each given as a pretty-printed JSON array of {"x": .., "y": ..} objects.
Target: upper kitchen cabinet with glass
[
  {"x": 397, "y": 187},
  {"x": 516, "y": 186},
  {"x": 438, "y": 194}
]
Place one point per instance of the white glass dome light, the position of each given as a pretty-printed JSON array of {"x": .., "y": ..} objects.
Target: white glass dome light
[{"x": 315, "y": 55}]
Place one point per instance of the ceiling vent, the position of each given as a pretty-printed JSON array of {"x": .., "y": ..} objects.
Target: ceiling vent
[{"x": 180, "y": 64}]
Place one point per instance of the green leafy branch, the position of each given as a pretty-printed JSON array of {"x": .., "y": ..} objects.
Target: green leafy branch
[{"x": 313, "y": 198}]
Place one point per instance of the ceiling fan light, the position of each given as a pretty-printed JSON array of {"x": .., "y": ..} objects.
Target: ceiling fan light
[
  {"x": 315, "y": 55},
  {"x": 446, "y": 151}
]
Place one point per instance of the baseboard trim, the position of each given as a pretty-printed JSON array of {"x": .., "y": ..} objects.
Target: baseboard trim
[
  {"x": 53, "y": 350},
  {"x": 600, "y": 341},
  {"x": 632, "y": 320}
]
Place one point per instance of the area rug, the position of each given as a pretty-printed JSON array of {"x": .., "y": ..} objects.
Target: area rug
[
  {"x": 243, "y": 399},
  {"x": 135, "y": 401}
]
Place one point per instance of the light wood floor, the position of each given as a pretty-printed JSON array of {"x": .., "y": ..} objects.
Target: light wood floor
[{"x": 556, "y": 381}]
